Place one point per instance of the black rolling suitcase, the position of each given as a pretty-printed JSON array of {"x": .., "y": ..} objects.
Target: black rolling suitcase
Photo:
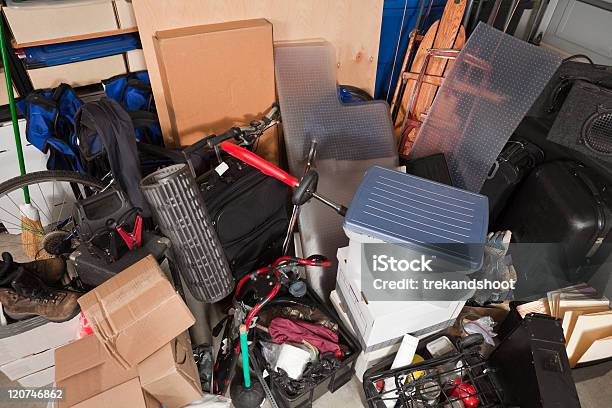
[
  {"x": 250, "y": 213},
  {"x": 514, "y": 163},
  {"x": 567, "y": 203}
]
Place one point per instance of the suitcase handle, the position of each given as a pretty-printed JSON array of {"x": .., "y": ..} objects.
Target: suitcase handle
[{"x": 259, "y": 163}]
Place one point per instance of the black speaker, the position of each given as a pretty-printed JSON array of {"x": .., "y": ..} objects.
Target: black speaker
[{"x": 584, "y": 122}]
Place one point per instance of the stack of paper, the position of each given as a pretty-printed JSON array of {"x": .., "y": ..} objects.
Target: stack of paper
[{"x": 587, "y": 321}]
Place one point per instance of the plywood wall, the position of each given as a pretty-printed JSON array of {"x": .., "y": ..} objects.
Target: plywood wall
[{"x": 353, "y": 26}]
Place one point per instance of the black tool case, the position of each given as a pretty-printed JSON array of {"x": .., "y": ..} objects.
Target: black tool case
[
  {"x": 249, "y": 211},
  {"x": 343, "y": 373},
  {"x": 564, "y": 203},
  {"x": 532, "y": 367},
  {"x": 93, "y": 266}
]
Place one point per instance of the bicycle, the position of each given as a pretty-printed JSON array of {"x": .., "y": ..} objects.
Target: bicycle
[{"x": 54, "y": 192}]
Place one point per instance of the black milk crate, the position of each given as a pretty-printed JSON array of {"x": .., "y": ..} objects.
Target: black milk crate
[{"x": 332, "y": 382}]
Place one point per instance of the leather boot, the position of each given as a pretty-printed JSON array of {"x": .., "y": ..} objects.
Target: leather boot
[
  {"x": 49, "y": 270},
  {"x": 29, "y": 296}
]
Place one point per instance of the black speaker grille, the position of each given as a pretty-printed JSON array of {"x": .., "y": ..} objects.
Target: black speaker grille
[{"x": 598, "y": 133}]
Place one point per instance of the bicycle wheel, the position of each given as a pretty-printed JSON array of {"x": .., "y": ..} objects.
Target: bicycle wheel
[{"x": 52, "y": 193}]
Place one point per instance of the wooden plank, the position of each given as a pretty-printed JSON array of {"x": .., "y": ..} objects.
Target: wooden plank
[
  {"x": 80, "y": 37},
  {"x": 417, "y": 64},
  {"x": 447, "y": 33},
  {"x": 428, "y": 90},
  {"x": 354, "y": 31},
  {"x": 427, "y": 79}
]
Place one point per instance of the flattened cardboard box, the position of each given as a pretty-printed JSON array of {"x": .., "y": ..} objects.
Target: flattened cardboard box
[
  {"x": 217, "y": 76},
  {"x": 84, "y": 369},
  {"x": 171, "y": 375},
  {"x": 136, "y": 312},
  {"x": 126, "y": 395}
]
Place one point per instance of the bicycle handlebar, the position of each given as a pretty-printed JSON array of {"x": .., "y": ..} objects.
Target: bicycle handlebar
[
  {"x": 243, "y": 133},
  {"x": 259, "y": 163}
]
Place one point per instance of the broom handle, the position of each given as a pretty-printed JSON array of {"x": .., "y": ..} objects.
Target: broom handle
[{"x": 12, "y": 107}]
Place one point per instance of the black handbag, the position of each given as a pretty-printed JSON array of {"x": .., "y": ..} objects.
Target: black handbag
[{"x": 249, "y": 211}]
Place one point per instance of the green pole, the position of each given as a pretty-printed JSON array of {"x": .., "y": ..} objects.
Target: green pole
[
  {"x": 244, "y": 350},
  {"x": 13, "y": 107}
]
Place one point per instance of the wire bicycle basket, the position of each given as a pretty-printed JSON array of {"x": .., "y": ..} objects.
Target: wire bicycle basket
[{"x": 459, "y": 380}]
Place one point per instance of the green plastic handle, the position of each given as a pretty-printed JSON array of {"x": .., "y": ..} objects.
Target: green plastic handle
[
  {"x": 13, "y": 107},
  {"x": 244, "y": 350}
]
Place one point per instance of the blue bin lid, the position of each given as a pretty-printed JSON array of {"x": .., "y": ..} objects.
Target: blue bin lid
[{"x": 424, "y": 215}]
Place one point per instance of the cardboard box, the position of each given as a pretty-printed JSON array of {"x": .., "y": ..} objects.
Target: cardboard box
[
  {"x": 379, "y": 324},
  {"x": 171, "y": 375},
  {"x": 135, "y": 60},
  {"x": 125, "y": 14},
  {"x": 28, "y": 365},
  {"x": 136, "y": 312},
  {"x": 42, "y": 378},
  {"x": 216, "y": 76},
  {"x": 39, "y": 21},
  {"x": 29, "y": 341},
  {"x": 365, "y": 360},
  {"x": 129, "y": 394},
  {"x": 84, "y": 369},
  {"x": 78, "y": 73}
]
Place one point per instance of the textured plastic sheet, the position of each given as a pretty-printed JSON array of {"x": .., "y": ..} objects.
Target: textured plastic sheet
[
  {"x": 350, "y": 138},
  {"x": 178, "y": 207},
  {"x": 491, "y": 86},
  {"x": 311, "y": 109}
]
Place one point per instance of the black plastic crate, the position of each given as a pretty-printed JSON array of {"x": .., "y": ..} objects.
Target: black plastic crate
[{"x": 332, "y": 382}]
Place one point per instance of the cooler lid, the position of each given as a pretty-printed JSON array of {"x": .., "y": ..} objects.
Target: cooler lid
[{"x": 400, "y": 208}]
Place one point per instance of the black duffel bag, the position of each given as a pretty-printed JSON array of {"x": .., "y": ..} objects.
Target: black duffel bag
[
  {"x": 513, "y": 164},
  {"x": 250, "y": 213}
]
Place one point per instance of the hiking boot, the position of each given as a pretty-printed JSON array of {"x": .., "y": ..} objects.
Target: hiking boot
[
  {"x": 49, "y": 270},
  {"x": 30, "y": 296}
]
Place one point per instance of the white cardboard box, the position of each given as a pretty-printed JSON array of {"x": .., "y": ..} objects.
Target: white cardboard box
[
  {"x": 125, "y": 14},
  {"x": 365, "y": 360},
  {"x": 23, "y": 367},
  {"x": 78, "y": 73},
  {"x": 135, "y": 60},
  {"x": 382, "y": 323},
  {"x": 41, "y": 338},
  {"x": 41, "y": 378},
  {"x": 47, "y": 20}
]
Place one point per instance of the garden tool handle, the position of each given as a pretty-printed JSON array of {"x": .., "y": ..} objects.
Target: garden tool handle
[{"x": 259, "y": 163}]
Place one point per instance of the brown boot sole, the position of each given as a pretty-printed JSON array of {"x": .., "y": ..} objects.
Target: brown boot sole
[{"x": 23, "y": 316}]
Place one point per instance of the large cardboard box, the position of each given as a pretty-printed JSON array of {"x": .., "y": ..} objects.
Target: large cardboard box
[
  {"x": 78, "y": 73},
  {"x": 84, "y": 369},
  {"x": 171, "y": 375},
  {"x": 216, "y": 76},
  {"x": 40, "y": 21},
  {"x": 136, "y": 312},
  {"x": 129, "y": 394}
]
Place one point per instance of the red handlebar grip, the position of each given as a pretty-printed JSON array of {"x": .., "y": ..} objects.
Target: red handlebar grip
[{"x": 262, "y": 165}]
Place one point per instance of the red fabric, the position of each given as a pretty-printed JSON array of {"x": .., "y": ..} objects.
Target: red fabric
[{"x": 282, "y": 330}]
